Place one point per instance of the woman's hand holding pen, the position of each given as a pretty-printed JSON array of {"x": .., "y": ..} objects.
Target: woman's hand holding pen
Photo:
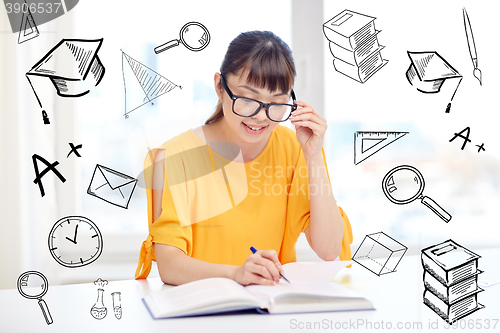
[
  {"x": 310, "y": 127},
  {"x": 262, "y": 267}
]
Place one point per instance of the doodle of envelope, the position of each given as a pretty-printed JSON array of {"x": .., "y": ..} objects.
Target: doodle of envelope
[
  {"x": 428, "y": 71},
  {"x": 205, "y": 182},
  {"x": 112, "y": 186},
  {"x": 72, "y": 66}
]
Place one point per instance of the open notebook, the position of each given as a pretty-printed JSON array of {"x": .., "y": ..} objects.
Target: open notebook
[{"x": 311, "y": 290}]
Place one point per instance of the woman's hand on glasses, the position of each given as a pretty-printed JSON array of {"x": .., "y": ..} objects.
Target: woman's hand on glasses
[{"x": 310, "y": 127}]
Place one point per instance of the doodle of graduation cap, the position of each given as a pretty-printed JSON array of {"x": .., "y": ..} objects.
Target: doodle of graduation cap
[
  {"x": 72, "y": 66},
  {"x": 428, "y": 71}
]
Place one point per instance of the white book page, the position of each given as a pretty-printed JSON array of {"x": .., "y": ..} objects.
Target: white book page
[
  {"x": 199, "y": 295},
  {"x": 302, "y": 289},
  {"x": 321, "y": 271}
]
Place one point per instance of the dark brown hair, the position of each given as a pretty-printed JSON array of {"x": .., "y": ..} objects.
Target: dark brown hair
[{"x": 266, "y": 57}]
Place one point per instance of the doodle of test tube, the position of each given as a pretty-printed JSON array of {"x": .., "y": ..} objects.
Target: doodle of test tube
[{"x": 117, "y": 304}]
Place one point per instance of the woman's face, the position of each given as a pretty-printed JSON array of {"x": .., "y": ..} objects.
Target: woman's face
[{"x": 249, "y": 129}]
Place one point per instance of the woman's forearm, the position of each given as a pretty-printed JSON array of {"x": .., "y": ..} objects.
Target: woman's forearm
[
  {"x": 326, "y": 228},
  {"x": 175, "y": 267}
]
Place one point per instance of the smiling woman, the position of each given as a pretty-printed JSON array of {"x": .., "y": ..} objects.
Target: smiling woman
[
  {"x": 249, "y": 120},
  {"x": 204, "y": 226}
]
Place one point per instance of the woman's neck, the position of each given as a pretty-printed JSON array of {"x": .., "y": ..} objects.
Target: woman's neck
[{"x": 220, "y": 132}]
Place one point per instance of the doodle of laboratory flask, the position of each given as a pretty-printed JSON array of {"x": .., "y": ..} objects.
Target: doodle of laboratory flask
[
  {"x": 117, "y": 304},
  {"x": 98, "y": 310}
]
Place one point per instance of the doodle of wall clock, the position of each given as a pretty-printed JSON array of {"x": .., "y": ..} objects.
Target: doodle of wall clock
[{"x": 75, "y": 241}]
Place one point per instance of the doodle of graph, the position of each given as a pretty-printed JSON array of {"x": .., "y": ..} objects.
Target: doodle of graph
[
  {"x": 28, "y": 29},
  {"x": 150, "y": 83}
]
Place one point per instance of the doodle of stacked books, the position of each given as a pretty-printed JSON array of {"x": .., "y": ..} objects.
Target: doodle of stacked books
[
  {"x": 450, "y": 280},
  {"x": 354, "y": 45}
]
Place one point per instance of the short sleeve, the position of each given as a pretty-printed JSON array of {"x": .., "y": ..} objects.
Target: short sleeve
[{"x": 166, "y": 229}]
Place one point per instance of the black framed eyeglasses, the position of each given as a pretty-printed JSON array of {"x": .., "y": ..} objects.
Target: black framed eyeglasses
[{"x": 248, "y": 107}]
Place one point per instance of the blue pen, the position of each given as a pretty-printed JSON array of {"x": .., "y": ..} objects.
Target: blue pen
[{"x": 253, "y": 249}]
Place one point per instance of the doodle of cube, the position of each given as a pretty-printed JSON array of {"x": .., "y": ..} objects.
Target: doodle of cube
[{"x": 379, "y": 253}]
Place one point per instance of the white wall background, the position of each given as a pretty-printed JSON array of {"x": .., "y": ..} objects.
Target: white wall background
[{"x": 464, "y": 182}]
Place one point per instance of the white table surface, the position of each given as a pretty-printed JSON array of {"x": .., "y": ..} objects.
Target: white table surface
[{"x": 397, "y": 298}]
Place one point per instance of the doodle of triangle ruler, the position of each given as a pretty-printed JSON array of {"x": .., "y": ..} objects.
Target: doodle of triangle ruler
[
  {"x": 368, "y": 143},
  {"x": 28, "y": 29},
  {"x": 142, "y": 84}
]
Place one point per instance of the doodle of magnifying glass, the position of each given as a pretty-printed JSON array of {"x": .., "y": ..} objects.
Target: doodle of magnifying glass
[
  {"x": 34, "y": 285},
  {"x": 193, "y": 35},
  {"x": 404, "y": 184}
]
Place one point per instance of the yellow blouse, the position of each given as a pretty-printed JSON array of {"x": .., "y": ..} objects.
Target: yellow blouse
[{"x": 214, "y": 208}]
